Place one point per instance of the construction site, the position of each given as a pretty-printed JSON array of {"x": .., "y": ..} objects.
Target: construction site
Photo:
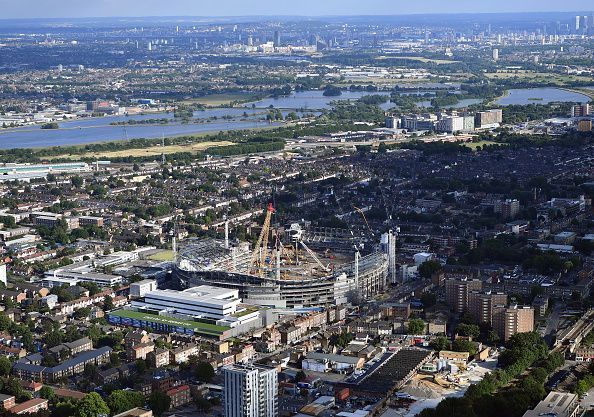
[{"x": 290, "y": 267}]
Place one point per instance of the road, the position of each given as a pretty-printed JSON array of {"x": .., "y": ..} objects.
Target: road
[
  {"x": 552, "y": 325},
  {"x": 587, "y": 402}
]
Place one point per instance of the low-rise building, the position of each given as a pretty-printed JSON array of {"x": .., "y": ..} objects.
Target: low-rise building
[
  {"x": 183, "y": 353},
  {"x": 158, "y": 357},
  {"x": 70, "y": 367},
  {"x": 136, "y": 412},
  {"x": 558, "y": 404},
  {"x": 139, "y": 351},
  {"x": 179, "y": 396},
  {"x": 7, "y": 401},
  {"x": 322, "y": 362},
  {"x": 30, "y": 407}
]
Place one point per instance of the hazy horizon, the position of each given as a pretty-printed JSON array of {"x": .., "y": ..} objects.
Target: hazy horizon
[{"x": 230, "y": 8}]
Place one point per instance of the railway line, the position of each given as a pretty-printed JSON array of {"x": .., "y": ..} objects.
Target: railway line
[{"x": 574, "y": 336}]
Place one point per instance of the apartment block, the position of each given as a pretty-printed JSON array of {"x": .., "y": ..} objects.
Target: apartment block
[
  {"x": 251, "y": 391},
  {"x": 457, "y": 291},
  {"x": 482, "y": 305},
  {"x": 508, "y": 321}
]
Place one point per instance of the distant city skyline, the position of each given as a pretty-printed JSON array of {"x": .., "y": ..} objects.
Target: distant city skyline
[{"x": 140, "y": 8}]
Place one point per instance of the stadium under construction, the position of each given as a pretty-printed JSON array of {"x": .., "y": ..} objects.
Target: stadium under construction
[{"x": 301, "y": 267}]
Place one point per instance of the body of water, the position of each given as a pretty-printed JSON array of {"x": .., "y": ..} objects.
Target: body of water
[
  {"x": 99, "y": 130},
  {"x": 311, "y": 100},
  {"x": 523, "y": 96}
]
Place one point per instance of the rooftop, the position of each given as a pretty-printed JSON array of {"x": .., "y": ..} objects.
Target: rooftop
[
  {"x": 203, "y": 294},
  {"x": 19, "y": 408},
  {"x": 198, "y": 327}
]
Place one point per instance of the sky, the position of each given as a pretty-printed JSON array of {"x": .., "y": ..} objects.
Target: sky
[{"x": 108, "y": 8}]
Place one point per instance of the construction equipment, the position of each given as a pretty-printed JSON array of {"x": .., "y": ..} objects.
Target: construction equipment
[
  {"x": 360, "y": 211},
  {"x": 315, "y": 257},
  {"x": 258, "y": 258}
]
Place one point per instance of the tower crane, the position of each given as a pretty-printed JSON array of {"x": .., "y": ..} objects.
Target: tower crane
[
  {"x": 258, "y": 258},
  {"x": 362, "y": 213}
]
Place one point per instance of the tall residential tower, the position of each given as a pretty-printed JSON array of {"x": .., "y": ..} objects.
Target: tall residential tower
[{"x": 251, "y": 391}]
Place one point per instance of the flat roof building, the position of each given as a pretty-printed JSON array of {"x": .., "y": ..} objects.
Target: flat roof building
[
  {"x": 204, "y": 301},
  {"x": 250, "y": 391},
  {"x": 513, "y": 320},
  {"x": 457, "y": 291},
  {"x": 558, "y": 404}
]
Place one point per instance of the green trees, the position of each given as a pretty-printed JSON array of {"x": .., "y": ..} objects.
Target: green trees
[
  {"x": 332, "y": 91},
  {"x": 203, "y": 405},
  {"x": 48, "y": 393},
  {"x": 119, "y": 401},
  {"x": 246, "y": 148},
  {"x": 487, "y": 399},
  {"x": 416, "y": 327},
  {"x": 53, "y": 338},
  {"x": 159, "y": 402},
  {"x": 461, "y": 345},
  {"x": 375, "y": 99},
  {"x": 92, "y": 405},
  {"x": 108, "y": 303},
  {"x": 428, "y": 299},
  {"x": 82, "y": 313},
  {"x": 5, "y": 366},
  {"x": 8, "y": 221},
  {"x": 341, "y": 340},
  {"x": 300, "y": 376},
  {"x": 440, "y": 343},
  {"x": 141, "y": 366},
  {"x": 428, "y": 268},
  {"x": 468, "y": 330},
  {"x": 77, "y": 181},
  {"x": 586, "y": 382},
  {"x": 14, "y": 387},
  {"x": 204, "y": 372}
]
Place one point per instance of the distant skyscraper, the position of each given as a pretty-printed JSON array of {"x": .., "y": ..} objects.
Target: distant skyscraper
[
  {"x": 578, "y": 21},
  {"x": 277, "y": 38},
  {"x": 251, "y": 391},
  {"x": 495, "y": 54}
]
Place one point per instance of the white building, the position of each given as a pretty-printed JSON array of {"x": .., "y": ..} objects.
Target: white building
[
  {"x": 141, "y": 288},
  {"x": 409, "y": 272},
  {"x": 325, "y": 362},
  {"x": 204, "y": 301},
  {"x": 451, "y": 124},
  {"x": 388, "y": 246},
  {"x": 422, "y": 257},
  {"x": 250, "y": 391},
  {"x": 219, "y": 305}
]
